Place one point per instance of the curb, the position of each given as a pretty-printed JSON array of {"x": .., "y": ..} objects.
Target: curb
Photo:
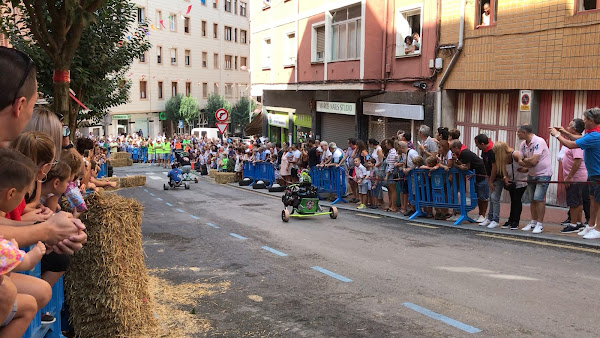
[{"x": 594, "y": 244}]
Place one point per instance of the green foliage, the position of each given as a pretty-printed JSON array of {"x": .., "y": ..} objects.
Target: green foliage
[
  {"x": 101, "y": 61},
  {"x": 240, "y": 113},
  {"x": 172, "y": 108},
  {"x": 188, "y": 109},
  {"x": 214, "y": 103},
  {"x": 231, "y": 165}
]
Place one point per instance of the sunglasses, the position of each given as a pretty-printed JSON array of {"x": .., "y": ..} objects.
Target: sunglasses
[{"x": 30, "y": 65}]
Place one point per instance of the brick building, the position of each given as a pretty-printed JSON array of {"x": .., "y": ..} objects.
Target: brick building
[
  {"x": 551, "y": 48},
  {"x": 340, "y": 69}
]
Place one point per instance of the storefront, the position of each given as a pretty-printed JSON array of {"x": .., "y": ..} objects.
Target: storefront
[
  {"x": 279, "y": 123},
  {"x": 386, "y": 119},
  {"x": 302, "y": 127},
  {"x": 121, "y": 124},
  {"x": 337, "y": 121}
]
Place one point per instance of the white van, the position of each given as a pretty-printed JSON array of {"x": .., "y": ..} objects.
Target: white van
[{"x": 211, "y": 133}]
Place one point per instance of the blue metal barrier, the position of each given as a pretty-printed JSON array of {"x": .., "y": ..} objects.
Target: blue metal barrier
[
  {"x": 442, "y": 189},
  {"x": 144, "y": 155},
  {"x": 103, "y": 170},
  {"x": 249, "y": 170},
  {"x": 264, "y": 171},
  {"x": 135, "y": 154},
  {"x": 331, "y": 180}
]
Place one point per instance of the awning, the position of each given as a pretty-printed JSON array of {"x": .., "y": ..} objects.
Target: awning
[
  {"x": 399, "y": 111},
  {"x": 255, "y": 126}
]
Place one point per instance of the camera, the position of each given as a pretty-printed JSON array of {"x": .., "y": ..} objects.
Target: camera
[{"x": 420, "y": 84}]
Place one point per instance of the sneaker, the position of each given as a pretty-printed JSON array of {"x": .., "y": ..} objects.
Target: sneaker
[
  {"x": 361, "y": 206},
  {"x": 586, "y": 230},
  {"x": 580, "y": 226},
  {"x": 529, "y": 226},
  {"x": 538, "y": 228},
  {"x": 514, "y": 226},
  {"x": 566, "y": 222},
  {"x": 453, "y": 218},
  {"x": 47, "y": 319},
  {"x": 485, "y": 223},
  {"x": 492, "y": 225},
  {"x": 569, "y": 229},
  {"x": 506, "y": 225},
  {"x": 592, "y": 234},
  {"x": 480, "y": 219}
]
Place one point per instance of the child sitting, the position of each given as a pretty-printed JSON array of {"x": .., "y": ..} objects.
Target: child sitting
[
  {"x": 364, "y": 184},
  {"x": 175, "y": 174}
]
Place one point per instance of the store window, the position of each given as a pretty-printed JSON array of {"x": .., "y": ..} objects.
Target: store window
[{"x": 318, "y": 43}]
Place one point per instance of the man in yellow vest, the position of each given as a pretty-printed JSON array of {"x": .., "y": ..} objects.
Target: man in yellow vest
[
  {"x": 150, "y": 151},
  {"x": 166, "y": 152}
]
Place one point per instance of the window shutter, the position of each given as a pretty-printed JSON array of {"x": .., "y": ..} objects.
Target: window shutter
[{"x": 320, "y": 43}]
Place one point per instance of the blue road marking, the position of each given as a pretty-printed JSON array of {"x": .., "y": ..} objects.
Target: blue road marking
[
  {"x": 332, "y": 274},
  {"x": 179, "y": 210},
  {"x": 151, "y": 194},
  {"x": 169, "y": 204},
  {"x": 213, "y": 226},
  {"x": 237, "y": 236},
  {"x": 442, "y": 318},
  {"x": 279, "y": 253},
  {"x": 158, "y": 198},
  {"x": 194, "y": 217}
]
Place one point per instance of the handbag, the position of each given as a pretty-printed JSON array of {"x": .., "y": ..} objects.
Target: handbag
[{"x": 512, "y": 185}]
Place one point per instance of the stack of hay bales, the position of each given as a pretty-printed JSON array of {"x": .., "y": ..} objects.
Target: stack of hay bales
[
  {"x": 212, "y": 173},
  {"x": 132, "y": 181},
  {"x": 107, "y": 283},
  {"x": 120, "y": 159}
]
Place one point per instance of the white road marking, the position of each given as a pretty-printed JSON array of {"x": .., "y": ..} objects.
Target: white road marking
[{"x": 155, "y": 177}]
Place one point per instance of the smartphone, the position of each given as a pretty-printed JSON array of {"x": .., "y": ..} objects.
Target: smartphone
[{"x": 66, "y": 131}]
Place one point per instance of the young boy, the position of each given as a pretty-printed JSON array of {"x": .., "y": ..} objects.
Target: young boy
[
  {"x": 57, "y": 180},
  {"x": 372, "y": 197},
  {"x": 360, "y": 177}
]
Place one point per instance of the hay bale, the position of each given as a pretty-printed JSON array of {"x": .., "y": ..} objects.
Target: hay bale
[
  {"x": 224, "y": 177},
  {"x": 129, "y": 162},
  {"x": 132, "y": 181},
  {"x": 212, "y": 173},
  {"x": 107, "y": 283},
  {"x": 122, "y": 155},
  {"x": 118, "y": 162}
]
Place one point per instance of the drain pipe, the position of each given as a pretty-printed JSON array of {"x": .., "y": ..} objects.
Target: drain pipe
[{"x": 461, "y": 40}]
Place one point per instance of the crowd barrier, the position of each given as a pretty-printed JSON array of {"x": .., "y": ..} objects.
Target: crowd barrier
[
  {"x": 260, "y": 171},
  {"x": 330, "y": 180},
  {"x": 103, "y": 170},
  {"x": 442, "y": 189}
]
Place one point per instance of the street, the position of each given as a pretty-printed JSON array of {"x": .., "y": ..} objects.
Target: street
[{"x": 358, "y": 275}]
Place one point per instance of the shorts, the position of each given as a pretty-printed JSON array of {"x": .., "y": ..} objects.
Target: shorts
[
  {"x": 11, "y": 315},
  {"x": 186, "y": 169},
  {"x": 482, "y": 189},
  {"x": 537, "y": 191},
  {"x": 294, "y": 172},
  {"x": 55, "y": 263},
  {"x": 594, "y": 187},
  {"x": 575, "y": 194},
  {"x": 364, "y": 187}
]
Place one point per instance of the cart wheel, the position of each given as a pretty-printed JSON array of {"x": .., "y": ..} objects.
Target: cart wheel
[
  {"x": 165, "y": 187},
  {"x": 285, "y": 215},
  {"x": 187, "y": 186},
  {"x": 334, "y": 212}
]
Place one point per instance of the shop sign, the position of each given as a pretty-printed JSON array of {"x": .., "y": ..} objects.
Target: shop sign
[
  {"x": 525, "y": 100},
  {"x": 121, "y": 117},
  {"x": 278, "y": 120},
  {"x": 303, "y": 120},
  {"x": 336, "y": 107}
]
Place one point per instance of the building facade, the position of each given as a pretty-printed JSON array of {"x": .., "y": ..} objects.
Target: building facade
[
  {"x": 195, "y": 51},
  {"x": 340, "y": 69},
  {"x": 535, "y": 62}
]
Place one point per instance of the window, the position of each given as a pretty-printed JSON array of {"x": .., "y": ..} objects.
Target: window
[
  {"x": 204, "y": 59},
  {"x": 143, "y": 85},
  {"x": 243, "y": 35},
  {"x": 318, "y": 43},
  {"x": 173, "y": 88},
  {"x": 227, "y": 61},
  {"x": 235, "y": 6},
  {"x": 216, "y": 61},
  {"x": 186, "y": 25},
  {"x": 266, "y": 56},
  {"x": 159, "y": 23},
  {"x": 173, "y": 56},
  {"x": 587, "y": 5},
  {"x": 188, "y": 88},
  {"x": 235, "y": 35},
  {"x": 235, "y": 63},
  {"x": 173, "y": 22},
  {"x": 215, "y": 5},
  {"x": 228, "y": 89},
  {"x": 345, "y": 34},
  {"x": 203, "y": 28},
  {"x": 159, "y": 54},
  {"x": 228, "y": 6},
  {"x": 188, "y": 59},
  {"x": 142, "y": 58},
  {"x": 243, "y": 63},
  {"x": 242, "y": 8},
  {"x": 486, "y": 12},
  {"x": 141, "y": 15},
  {"x": 160, "y": 89},
  {"x": 204, "y": 90},
  {"x": 215, "y": 31},
  {"x": 266, "y": 4},
  {"x": 289, "y": 58},
  {"x": 227, "y": 33},
  {"x": 216, "y": 88},
  {"x": 408, "y": 31}
]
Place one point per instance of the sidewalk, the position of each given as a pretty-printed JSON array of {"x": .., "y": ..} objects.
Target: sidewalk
[{"x": 552, "y": 227}]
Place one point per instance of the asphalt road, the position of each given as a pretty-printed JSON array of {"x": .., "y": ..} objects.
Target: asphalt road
[{"x": 394, "y": 279}]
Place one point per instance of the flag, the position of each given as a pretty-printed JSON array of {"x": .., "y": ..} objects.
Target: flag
[
  {"x": 203, "y": 2},
  {"x": 188, "y": 10},
  {"x": 162, "y": 24}
]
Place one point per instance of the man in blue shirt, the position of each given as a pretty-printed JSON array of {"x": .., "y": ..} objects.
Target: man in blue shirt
[
  {"x": 175, "y": 175},
  {"x": 590, "y": 143}
]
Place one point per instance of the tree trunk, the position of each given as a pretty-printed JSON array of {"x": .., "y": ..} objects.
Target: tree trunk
[{"x": 61, "y": 101}]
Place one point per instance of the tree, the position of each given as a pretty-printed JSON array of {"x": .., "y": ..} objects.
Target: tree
[
  {"x": 215, "y": 102},
  {"x": 98, "y": 69},
  {"x": 56, "y": 26},
  {"x": 172, "y": 108},
  {"x": 188, "y": 110},
  {"x": 240, "y": 113}
]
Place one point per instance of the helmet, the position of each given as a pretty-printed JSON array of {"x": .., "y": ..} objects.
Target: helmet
[{"x": 175, "y": 165}]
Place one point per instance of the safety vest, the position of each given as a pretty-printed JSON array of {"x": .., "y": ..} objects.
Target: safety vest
[
  {"x": 225, "y": 160},
  {"x": 177, "y": 145},
  {"x": 166, "y": 148},
  {"x": 159, "y": 148},
  {"x": 150, "y": 149}
]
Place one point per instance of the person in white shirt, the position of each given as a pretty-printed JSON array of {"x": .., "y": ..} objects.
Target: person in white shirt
[{"x": 486, "y": 16}]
